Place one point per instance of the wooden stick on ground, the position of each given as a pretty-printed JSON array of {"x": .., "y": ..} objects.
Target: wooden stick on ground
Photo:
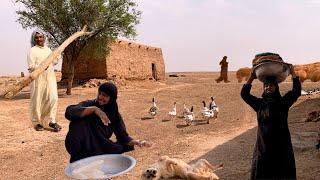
[{"x": 11, "y": 91}]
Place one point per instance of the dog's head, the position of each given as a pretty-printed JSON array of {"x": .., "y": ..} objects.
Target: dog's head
[
  {"x": 154, "y": 172},
  {"x": 150, "y": 173}
]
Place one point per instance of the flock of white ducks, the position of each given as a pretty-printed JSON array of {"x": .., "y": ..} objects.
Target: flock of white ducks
[{"x": 207, "y": 113}]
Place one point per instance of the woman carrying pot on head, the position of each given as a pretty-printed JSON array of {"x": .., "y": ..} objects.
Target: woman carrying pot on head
[{"x": 273, "y": 156}]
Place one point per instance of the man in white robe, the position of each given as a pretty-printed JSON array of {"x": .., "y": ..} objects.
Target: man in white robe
[{"x": 43, "y": 93}]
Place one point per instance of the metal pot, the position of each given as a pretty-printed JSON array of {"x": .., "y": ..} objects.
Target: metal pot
[{"x": 280, "y": 70}]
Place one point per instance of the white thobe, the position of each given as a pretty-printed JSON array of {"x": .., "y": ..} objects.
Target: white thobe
[{"x": 43, "y": 91}]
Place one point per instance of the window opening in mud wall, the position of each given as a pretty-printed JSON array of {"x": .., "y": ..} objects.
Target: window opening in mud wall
[{"x": 154, "y": 71}]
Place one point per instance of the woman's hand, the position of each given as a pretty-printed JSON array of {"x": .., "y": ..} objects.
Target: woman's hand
[
  {"x": 102, "y": 115},
  {"x": 292, "y": 72},
  {"x": 252, "y": 77},
  {"x": 140, "y": 143}
]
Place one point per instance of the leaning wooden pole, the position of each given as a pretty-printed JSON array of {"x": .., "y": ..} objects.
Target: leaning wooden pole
[{"x": 11, "y": 91}]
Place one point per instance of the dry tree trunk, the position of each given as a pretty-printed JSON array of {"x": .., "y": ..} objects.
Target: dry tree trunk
[
  {"x": 70, "y": 76},
  {"x": 11, "y": 91}
]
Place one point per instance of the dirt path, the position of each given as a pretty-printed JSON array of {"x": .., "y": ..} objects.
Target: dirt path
[{"x": 27, "y": 154}]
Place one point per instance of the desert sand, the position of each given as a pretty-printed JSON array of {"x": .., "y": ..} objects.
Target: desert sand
[{"x": 229, "y": 139}]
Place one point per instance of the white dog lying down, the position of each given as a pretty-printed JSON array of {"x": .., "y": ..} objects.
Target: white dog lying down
[{"x": 170, "y": 167}]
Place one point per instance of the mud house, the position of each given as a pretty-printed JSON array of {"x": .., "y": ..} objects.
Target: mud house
[{"x": 126, "y": 60}]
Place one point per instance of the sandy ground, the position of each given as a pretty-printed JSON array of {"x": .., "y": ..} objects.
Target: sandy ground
[{"x": 28, "y": 154}]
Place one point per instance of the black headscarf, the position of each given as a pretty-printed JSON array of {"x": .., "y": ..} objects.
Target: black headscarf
[
  {"x": 269, "y": 99},
  {"x": 276, "y": 94},
  {"x": 111, "y": 109},
  {"x": 110, "y": 89}
]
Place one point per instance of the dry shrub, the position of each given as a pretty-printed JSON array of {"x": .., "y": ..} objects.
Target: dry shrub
[
  {"x": 300, "y": 67},
  {"x": 315, "y": 76},
  {"x": 311, "y": 69},
  {"x": 302, "y": 74},
  {"x": 307, "y": 71},
  {"x": 243, "y": 73}
]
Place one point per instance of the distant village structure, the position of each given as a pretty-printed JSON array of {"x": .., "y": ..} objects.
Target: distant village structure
[{"x": 126, "y": 60}]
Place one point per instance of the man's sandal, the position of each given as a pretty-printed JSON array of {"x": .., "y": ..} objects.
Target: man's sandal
[
  {"x": 56, "y": 127},
  {"x": 38, "y": 127}
]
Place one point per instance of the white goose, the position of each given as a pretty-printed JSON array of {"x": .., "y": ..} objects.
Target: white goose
[
  {"x": 213, "y": 106},
  {"x": 189, "y": 118},
  {"x": 173, "y": 112},
  {"x": 185, "y": 110},
  {"x": 154, "y": 109},
  {"x": 207, "y": 113},
  {"x": 204, "y": 108}
]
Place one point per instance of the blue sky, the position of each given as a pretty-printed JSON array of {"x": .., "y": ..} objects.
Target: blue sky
[{"x": 195, "y": 34}]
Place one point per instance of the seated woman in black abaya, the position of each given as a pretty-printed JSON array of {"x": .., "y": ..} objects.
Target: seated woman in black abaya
[{"x": 93, "y": 122}]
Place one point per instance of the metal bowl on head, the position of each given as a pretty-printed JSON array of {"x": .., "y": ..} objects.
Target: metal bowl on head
[
  {"x": 278, "y": 69},
  {"x": 100, "y": 166}
]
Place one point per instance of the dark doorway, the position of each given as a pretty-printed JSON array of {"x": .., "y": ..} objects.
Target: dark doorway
[{"x": 154, "y": 71}]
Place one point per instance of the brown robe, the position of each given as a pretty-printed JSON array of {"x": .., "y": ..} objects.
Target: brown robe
[{"x": 224, "y": 71}]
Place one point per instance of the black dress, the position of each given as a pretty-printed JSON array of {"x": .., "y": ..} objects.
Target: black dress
[
  {"x": 88, "y": 136},
  {"x": 273, "y": 156}
]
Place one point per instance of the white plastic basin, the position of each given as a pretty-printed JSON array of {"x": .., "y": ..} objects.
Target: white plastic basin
[
  {"x": 100, "y": 167},
  {"x": 277, "y": 69}
]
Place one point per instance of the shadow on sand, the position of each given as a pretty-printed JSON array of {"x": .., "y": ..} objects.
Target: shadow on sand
[
  {"x": 195, "y": 123},
  {"x": 236, "y": 154},
  {"x": 181, "y": 126},
  {"x": 146, "y": 118},
  {"x": 166, "y": 120}
]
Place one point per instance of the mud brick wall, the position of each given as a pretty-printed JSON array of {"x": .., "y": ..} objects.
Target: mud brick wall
[
  {"x": 133, "y": 61},
  {"x": 126, "y": 60}
]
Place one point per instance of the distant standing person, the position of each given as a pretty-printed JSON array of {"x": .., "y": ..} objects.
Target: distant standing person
[
  {"x": 43, "y": 91},
  {"x": 224, "y": 70}
]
